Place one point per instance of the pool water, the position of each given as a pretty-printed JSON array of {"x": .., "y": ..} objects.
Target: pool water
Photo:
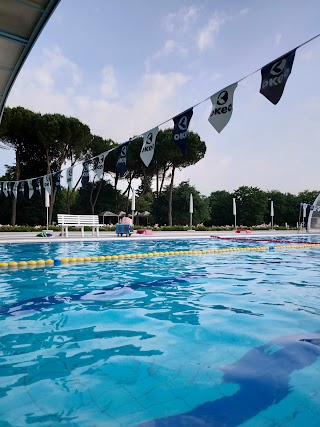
[{"x": 220, "y": 339}]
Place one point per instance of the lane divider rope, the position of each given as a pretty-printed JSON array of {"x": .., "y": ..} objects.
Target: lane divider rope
[
  {"x": 255, "y": 239},
  {"x": 75, "y": 260}
]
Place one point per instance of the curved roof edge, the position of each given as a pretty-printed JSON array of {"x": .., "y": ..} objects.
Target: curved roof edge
[{"x": 21, "y": 22}]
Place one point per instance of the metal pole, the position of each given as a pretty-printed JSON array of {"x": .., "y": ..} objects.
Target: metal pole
[
  {"x": 234, "y": 208},
  {"x": 47, "y": 205},
  {"x": 191, "y": 209},
  {"x": 133, "y": 204},
  {"x": 299, "y": 218}
]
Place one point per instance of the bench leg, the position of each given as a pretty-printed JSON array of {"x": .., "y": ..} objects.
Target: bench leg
[
  {"x": 82, "y": 231},
  {"x": 97, "y": 229},
  {"x": 67, "y": 231}
]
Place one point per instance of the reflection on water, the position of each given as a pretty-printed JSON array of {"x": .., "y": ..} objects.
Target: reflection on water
[{"x": 188, "y": 337}]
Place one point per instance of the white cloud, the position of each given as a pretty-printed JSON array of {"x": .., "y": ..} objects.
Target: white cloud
[
  {"x": 306, "y": 55},
  {"x": 180, "y": 20},
  {"x": 154, "y": 99},
  {"x": 109, "y": 83},
  {"x": 170, "y": 47},
  {"x": 206, "y": 38},
  {"x": 278, "y": 38},
  {"x": 244, "y": 11}
]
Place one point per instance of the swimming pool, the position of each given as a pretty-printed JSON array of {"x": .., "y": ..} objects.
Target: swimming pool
[{"x": 212, "y": 339}]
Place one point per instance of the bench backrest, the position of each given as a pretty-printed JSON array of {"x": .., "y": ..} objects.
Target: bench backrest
[{"x": 65, "y": 219}]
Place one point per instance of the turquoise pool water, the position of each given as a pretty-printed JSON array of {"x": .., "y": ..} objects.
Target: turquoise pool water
[{"x": 198, "y": 340}]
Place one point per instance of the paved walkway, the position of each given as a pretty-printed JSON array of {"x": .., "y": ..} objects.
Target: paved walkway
[{"x": 24, "y": 237}]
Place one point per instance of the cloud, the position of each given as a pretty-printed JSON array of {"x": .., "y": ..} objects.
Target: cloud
[
  {"x": 109, "y": 83},
  {"x": 171, "y": 47},
  {"x": 305, "y": 55},
  {"x": 244, "y": 11},
  {"x": 155, "y": 98},
  {"x": 278, "y": 38},
  {"x": 180, "y": 20},
  {"x": 206, "y": 38}
]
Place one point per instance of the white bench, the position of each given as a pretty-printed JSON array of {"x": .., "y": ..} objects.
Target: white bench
[{"x": 66, "y": 221}]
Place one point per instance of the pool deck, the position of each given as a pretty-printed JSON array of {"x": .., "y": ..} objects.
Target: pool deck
[{"x": 31, "y": 237}]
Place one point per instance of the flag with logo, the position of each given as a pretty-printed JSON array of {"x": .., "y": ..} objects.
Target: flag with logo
[
  {"x": 21, "y": 189},
  {"x": 85, "y": 174},
  {"x": 9, "y": 188},
  {"x": 5, "y": 189},
  {"x": 222, "y": 107},
  {"x": 47, "y": 183},
  {"x": 56, "y": 180},
  {"x": 274, "y": 77},
  {"x": 121, "y": 166},
  {"x": 149, "y": 143},
  {"x": 180, "y": 130},
  {"x": 15, "y": 189},
  {"x": 100, "y": 164},
  {"x": 69, "y": 177},
  {"x": 30, "y": 186},
  {"x": 37, "y": 185}
]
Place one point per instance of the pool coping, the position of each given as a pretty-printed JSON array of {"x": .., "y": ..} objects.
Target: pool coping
[{"x": 74, "y": 236}]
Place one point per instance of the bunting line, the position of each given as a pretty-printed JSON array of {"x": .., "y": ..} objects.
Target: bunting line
[{"x": 274, "y": 76}]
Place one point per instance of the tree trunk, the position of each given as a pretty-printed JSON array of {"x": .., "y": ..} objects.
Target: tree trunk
[
  {"x": 52, "y": 199},
  {"x": 170, "y": 197},
  {"x": 157, "y": 187},
  {"x": 70, "y": 194},
  {"x": 163, "y": 179},
  {"x": 14, "y": 200},
  {"x": 94, "y": 202}
]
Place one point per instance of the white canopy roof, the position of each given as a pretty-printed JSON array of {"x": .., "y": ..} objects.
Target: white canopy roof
[{"x": 21, "y": 22}]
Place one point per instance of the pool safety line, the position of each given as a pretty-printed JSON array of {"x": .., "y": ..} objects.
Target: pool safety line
[
  {"x": 251, "y": 239},
  {"x": 120, "y": 257}
]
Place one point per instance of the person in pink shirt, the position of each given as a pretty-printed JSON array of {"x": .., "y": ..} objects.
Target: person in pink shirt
[{"x": 126, "y": 220}]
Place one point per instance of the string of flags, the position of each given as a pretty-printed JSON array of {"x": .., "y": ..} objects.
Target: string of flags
[{"x": 274, "y": 77}]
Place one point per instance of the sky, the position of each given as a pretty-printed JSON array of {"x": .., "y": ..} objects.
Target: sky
[{"x": 123, "y": 67}]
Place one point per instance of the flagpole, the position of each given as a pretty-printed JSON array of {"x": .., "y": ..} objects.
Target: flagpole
[
  {"x": 234, "y": 209},
  {"x": 47, "y": 205},
  {"x": 191, "y": 210},
  {"x": 271, "y": 213},
  {"x": 133, "y": 204}
]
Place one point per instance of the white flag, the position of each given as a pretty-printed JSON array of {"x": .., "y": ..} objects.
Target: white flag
[
  {"x": 100, "y": 164},
  {"x": 222, "y": 107},
  {"x": 5, "y": 189},
  {"x": 47, "y": 183},
  {"x": 30, "y": 186},
  {"x": 149, "y": 142},
  {"x": 69, "y": 177},
  {"x": 15, "y": 189},
  {"x": 191, "y": 204}
]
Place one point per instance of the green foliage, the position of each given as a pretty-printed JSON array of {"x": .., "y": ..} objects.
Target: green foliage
[
  {"x": 181, "y": 205},
  {"x": 221, "y": 213},
  {"x": 109, "y": 199},
  {"x": 251, "y": 205}
]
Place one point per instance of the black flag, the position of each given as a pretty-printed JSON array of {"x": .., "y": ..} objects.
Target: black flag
[
  {"x": 37, "y": 184},
  {"x": 9, "y": 187},
  {"x": 274, "y": 77},
  {"x": 121, "y": 166},
  {"x": 85, "y": 174},
  {"x": 180, "y": 130},
  {"x": 21, "y": 189},
  {"x": 56, "y": 180}
]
